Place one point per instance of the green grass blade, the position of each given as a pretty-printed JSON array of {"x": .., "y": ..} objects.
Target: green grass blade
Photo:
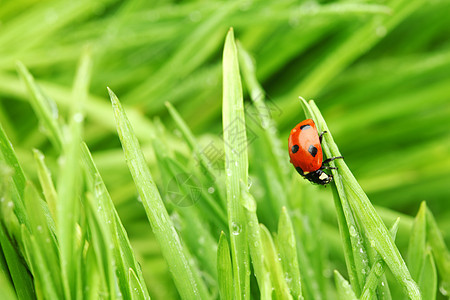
[
  {"x": 344, "y": 290},
  {"x": 376, "y": 273},
  {"x": 428, "y": 277},
  {"x": 42, "y": 228},
  {"x": 136, "y": 287},
  {"x": 205, "y": 162},
  {"x": 255, "y": 244},
  {"x": 42, "y": 274},
  {"x": 375, "y": 229},
  {"x": 440, "y": 253},
  {"x": 224, "y": 269},
  {"x": 236, "y": 164},
  {"x": 416, "y": 247},
  {"x": 43, "y": 106},
  {"x": 288, "y": 254},
  {"x": 124, "y": 257},
  {"x": 345, "y": 237},
  {"x": 172, "y": 249},
  {"x": 18, "y": 177},
  {"x": 46, "y": 182},
  {"x": 100, "y": 240},
  {"x": 274, "y": 265},
  {"x": 21, "y": 278}
]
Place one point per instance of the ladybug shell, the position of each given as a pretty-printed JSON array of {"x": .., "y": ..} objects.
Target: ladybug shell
[{"x": 304, "y": 147}]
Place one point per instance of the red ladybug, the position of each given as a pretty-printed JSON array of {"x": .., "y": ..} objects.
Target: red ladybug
[{"x": 306, "y": 153}]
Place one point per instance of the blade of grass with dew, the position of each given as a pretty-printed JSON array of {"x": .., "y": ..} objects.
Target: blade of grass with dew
[
  {"x": 428, "y": 277},
  {"x": 18, "y": 177},
  {"x": 304, "y": 232},
  {"x": 349, "y": 230},
  {"x": 91, "y": 275},
  {"x": 287, "y": 249},
  {"x": 43, "y": 106},
  {"x": 198, "y": 237},
  {"x": 100, "y": 241},
  {"x": 171, "y": 246},
  {"x": 42, "y": 275},
  {"x": 440, "y": 253},
  {"x": 274, "y": 265},
  {"x": 417, "y": 246},
  {"x": 236, "y": 165},
  {"x": 21, "y": 278},
  {"x": 311, "y": 244},
  {"x": 345, "y": 237},
  {"x": 344, "y": 290},
  {"x": 41, "y": 239},
  {"x": 123, "y": 253},
  {"x": 189, "y": 203},
  {"x": 43, "y": 228},
  {"x": 46, "y": 182},
  {"x": 175, "y": 169},
  {"x": 376, "y": 272},
  {"x": 224, "y": 269},
  {"x": 375, "y": 229},
  {"x": 255, "y": 244},
  {"x": 194, "y": 146},
  {"x": 135, "y": 286}
]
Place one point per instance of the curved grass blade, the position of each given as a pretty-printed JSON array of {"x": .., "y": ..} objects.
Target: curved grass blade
[
  {"x": 44, "y": 107},
  {"x": 100, "y": 240},
  {"x": 171, "y": 246},
  {"x": 256, "y": 245},
  {"x": 274, "y": 265},
  {"x": 440, "y": 253},
  {"x": 224, "y": 269},
  {"x": 417, "y": 247},
  {"x": 124, "y": 257},
  {"x": 236, "y": 165},
  {"x": 428, "y": 277},
  {"x": 344, "y": 290},
  {"x": 288, "y": 254},
  {"x": 46, "y": 182},
  {"x": 375, "y": 229},
  {"x": 18, "y": 177},
  {"x": 20, "y": 275},
  {"x": 135, "y": 286},
  {"x": 377, "y": 271},
  {"x": 194, "y": 146}
]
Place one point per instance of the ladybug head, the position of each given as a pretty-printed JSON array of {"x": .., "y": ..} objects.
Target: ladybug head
[{"x": 319, "y": 177}]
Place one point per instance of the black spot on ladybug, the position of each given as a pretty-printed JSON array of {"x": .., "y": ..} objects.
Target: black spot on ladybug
[
  {"x": 304, "y": 127},
  {"x": 299, "y": 170},
  {"x": 312, "y": 150},
  {"x": 294, "y": 148}
]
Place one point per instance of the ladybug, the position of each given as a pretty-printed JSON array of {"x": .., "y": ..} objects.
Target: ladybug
[{"x": 306, "y": 155}]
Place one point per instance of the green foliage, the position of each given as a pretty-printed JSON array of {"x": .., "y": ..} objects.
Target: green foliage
[{"x": 184, "y": 189}]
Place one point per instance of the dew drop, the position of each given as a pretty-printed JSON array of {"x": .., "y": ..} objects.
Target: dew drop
[
  {"x": 235, "y": 228},
  {"x": 78, "y": 117},
  {"x": 211, "y": 190},
  {"x": 353, "y": 231}
]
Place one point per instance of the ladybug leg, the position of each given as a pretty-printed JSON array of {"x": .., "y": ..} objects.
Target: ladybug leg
[
  {"x": 328, "y": 168},
  {"x": 321, "y": 135},
  {"x": 331, "y": 159}
]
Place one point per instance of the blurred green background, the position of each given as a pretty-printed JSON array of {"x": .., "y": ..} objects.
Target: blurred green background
[{"x": 378, "y": 70}]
